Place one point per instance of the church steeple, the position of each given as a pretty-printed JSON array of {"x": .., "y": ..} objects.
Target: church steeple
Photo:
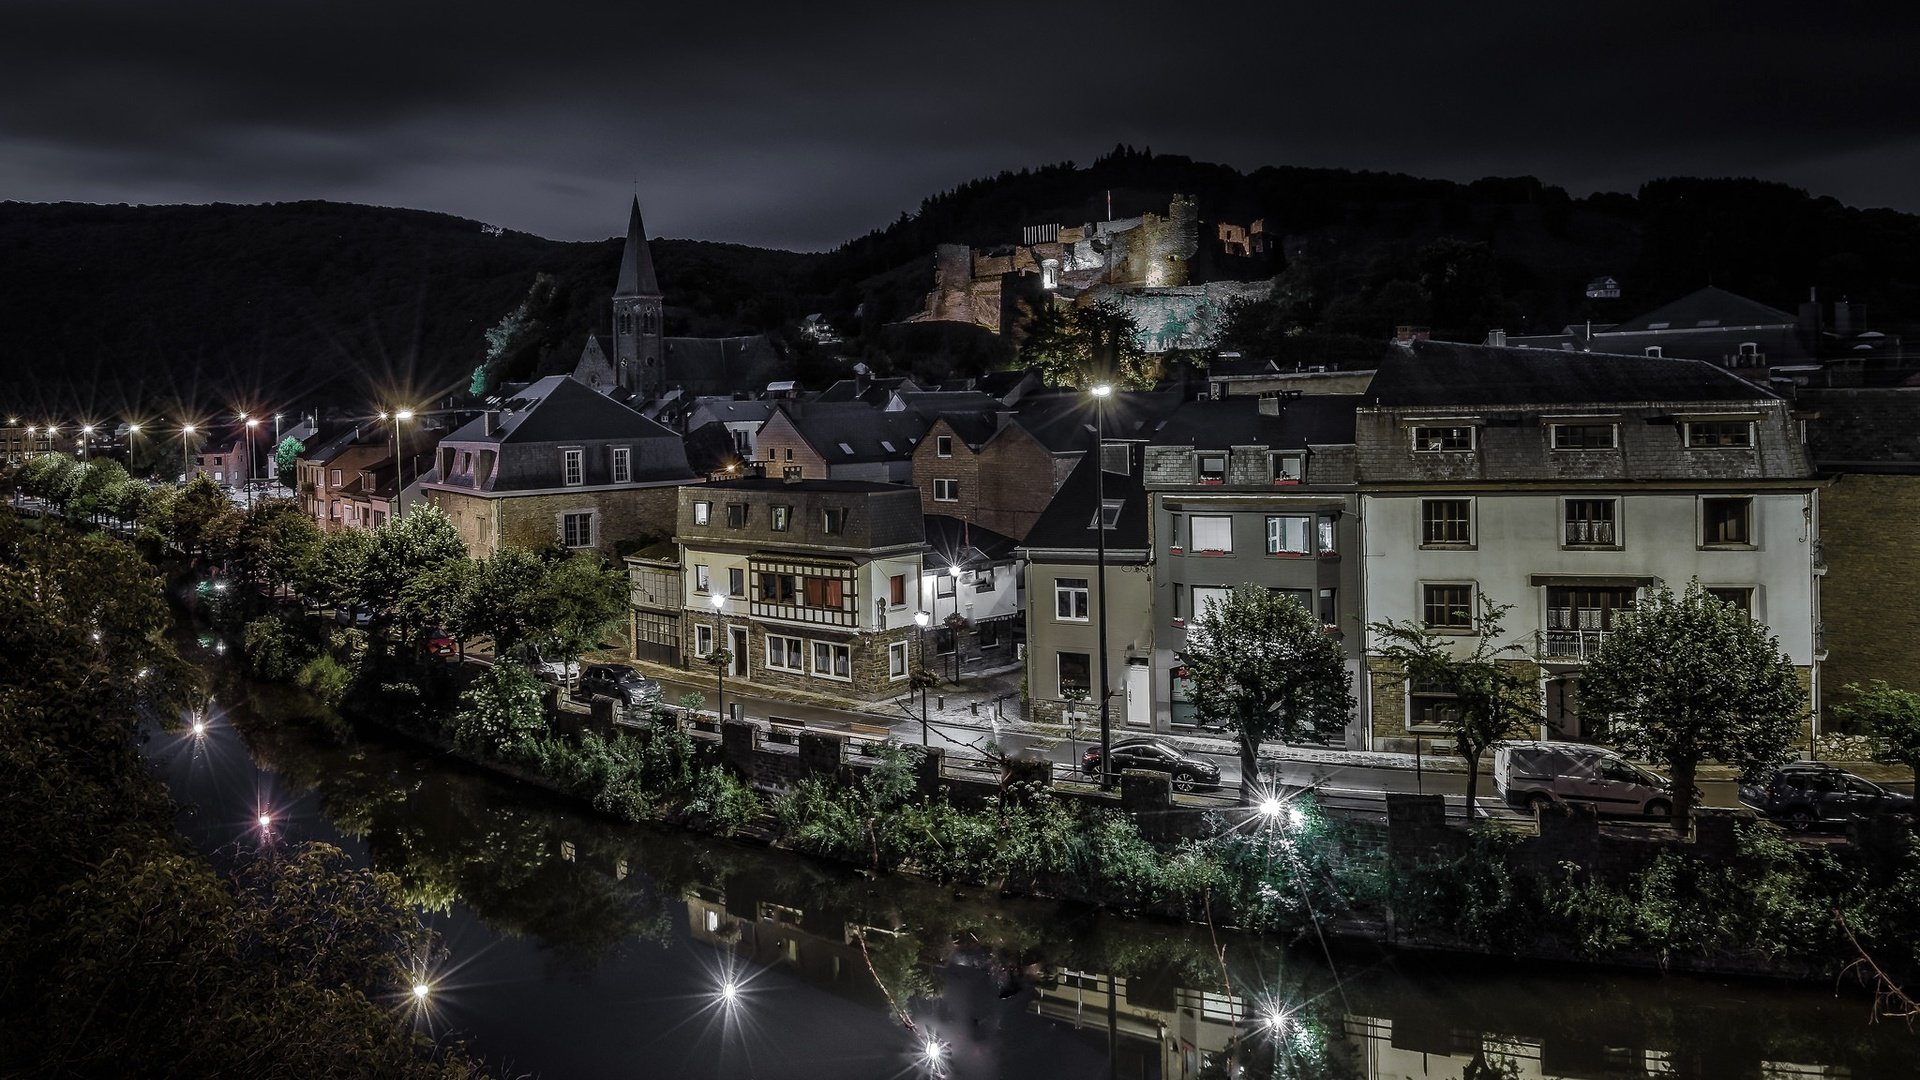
[{"x": 639, "y": 340}]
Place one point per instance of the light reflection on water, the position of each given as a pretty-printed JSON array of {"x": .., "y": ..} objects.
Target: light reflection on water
[{"x": 580, "y": 947}]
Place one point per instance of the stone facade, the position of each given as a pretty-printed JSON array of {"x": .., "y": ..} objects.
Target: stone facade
[
  {"x": 488, "y": 523},
  {"x": 1870, "y": 528},
  {"x": 871, "y": 678},
  {"x": 780, "y": 448}
]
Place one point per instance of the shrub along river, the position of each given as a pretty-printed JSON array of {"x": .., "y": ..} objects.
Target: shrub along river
[{"x": 576, "y": 946}]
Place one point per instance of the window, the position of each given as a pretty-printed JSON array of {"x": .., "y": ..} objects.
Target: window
[
  {"x": 1070, "y": 599},
  {"x": 1212, "y": 534},
  {"x": 1329, "y": 531},
  {"x": 824, "y": 592},
  {"x": 736, "y": 581},
  {"x": 1430, "y": 707},
  {"x": 1719, "y": 434},
  {"x": 789, "y": 453},
  {"x": 1329, "y": 611},
  {"x": 1447, "y": 607},
  {"x": 1584, "y": 436},
  {"x": 897, "y": 660},
  {"x": 576, "y": 530},
  {"x": 1446, "y": 521},
  {"x": 1109, "y": 514},
  {"x": 1434, "y": 440},
  {"x": 784, "y": 654},
  {"x": 701, "y": 580},
  {"x": 1175, "y": 534},
  {"x": 777, "y": 517},
  {"x": 831, "y": 661},
  {"x": 573, "y": 469},
  {"x": 1076, "y": 673},
  {"x": 336, "y": 478},
  {"x": 832, "y": 520},
  {"x": 736, "y": 515},
  {"x": 1591, "y": 523},
  {"x": 1206, "y": 596},
  {"x": 943, "y": 445},
  {"x": 1579, "y": 618},
  {"x": 1288, "y": 468},
  {"x": 778, "y": 588},
  {"x": 1287, "y": 535},
  {"x": 847, "y": 449},
  {"x": 943, "y": 585},
  {"x": 702, "y": 640},
  {"x": 944, "y": 641},
  {"x": 897, "y": 590},
  {"x": 1213, "y": 468},
  {"x": 946, "y": 491},
  {"x": 702, "y": 513},
  {"x": 1740, "y": 596},
  {"x": 793, "y": 472},
  {"x": 1655, "y": 351},
  {"x": 1726, "y": 522},
  {"x": 987, "y": 635},
  {"x": 622, "y": 465}
]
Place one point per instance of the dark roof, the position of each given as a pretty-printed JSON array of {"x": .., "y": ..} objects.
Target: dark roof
[
  {"x": 1859, "y": 426},
  {"x": 771, "y": 483},
  {"x": 964, "y": 544},
  {"x": 1442, "y": 373},
  {"x": 1705, "y": 309},
  {"x": 1063, "y": 422},
  {"x": 931, "y": 403},
  {"x": 636, "y": 261},
  {"x": 710, "y": 448},
  {"x": 871, "y": 391},
  {"x": 712, "y": 366},
  {"x": 557, "y": 408},
  {"x": 1067, "y": 523},
  {"x": 1307, "y": 420},
  {"x": 853, "y": 431}
]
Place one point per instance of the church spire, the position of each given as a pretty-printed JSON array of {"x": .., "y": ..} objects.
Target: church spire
[{"x": 636, "y": 262}]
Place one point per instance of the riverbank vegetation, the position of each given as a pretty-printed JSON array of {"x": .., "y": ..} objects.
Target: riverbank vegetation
[{"x": 123, "y": 952}]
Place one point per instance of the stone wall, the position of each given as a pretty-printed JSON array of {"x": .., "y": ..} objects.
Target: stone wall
[
  {"x": 1869, "y": 529},
  {"x": 532, "y": 521},
  {"x": 867, "y": 652},
  {"x": 780, "y": 447}
]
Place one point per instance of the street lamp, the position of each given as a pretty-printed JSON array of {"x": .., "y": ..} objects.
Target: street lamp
[
  {"x": 86, "y": 436},
  {"x": 186, "y": 432},
  {"x": 719, "y": 654},
  {"x": 399, "y": 465},
  {"x": 1101, "y": 393},
  {"x": 921, "y": 619},
  {"x": 252, "y": 423}
]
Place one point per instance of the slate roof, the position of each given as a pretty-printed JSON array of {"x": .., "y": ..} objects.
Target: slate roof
[
  {"x": 1067, "y": 523},
  {"x": 1434, "y": 373},
  {"x": 1308, "y": 420},
  {"x": 636, "y": 260},
  {"x": 965, "y": 545},
  {"x": 853, "y": 431},
  {"x": 773, "y": 483},
  {"x": 1063, "y": 422},
  {"x": 1705, "y": 309},
  {"x": 705, "y": 367},
  {"x": 557, "y": 408},
  {"x": 1860, "y": 426},
  {"x": 871, "y": 391}
]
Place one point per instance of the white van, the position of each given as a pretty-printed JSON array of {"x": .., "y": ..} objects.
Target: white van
[{"x": 1540, "y": 774}]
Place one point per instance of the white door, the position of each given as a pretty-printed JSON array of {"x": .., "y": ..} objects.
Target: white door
[{"x": 1139, "y": 693}]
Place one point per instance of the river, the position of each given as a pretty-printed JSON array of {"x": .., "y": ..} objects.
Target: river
[{"x": 580, "y": 947}]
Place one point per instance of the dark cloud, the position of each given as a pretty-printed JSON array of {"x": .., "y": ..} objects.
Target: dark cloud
[{"x": 799, "y": 126}]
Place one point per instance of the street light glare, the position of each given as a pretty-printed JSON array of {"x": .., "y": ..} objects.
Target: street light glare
[
  {"x": 199, "y": 727},
  {"x": 718, "y": 601},
  {"x": 1102, "y": 390},
  {"x": 1270, "y": 807},
  {"x": 266, "y": 820},
  {"x": 403, "y": 414},
  {"x": 420, "y": 991},
  {"x": 729, "y": 993},
  {"x": 186, "y": 429}
]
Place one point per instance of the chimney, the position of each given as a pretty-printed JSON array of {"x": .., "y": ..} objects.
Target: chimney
[
  {"x": 1269, "y": 404},
  {"x": 1497, "y": 337},
  {"x": 1403, "y": 336},
  {"x": 1842, "y": 318},
  {"x": 489, "y": 422},
  {"x": 790, "y": 476}
]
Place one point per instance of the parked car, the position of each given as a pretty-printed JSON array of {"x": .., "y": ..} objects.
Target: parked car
[
  {"x": 441, "y": 643},
  {"x": 558, "y": 672},
  {"x": 1540, "y": 774},
  {"x": 1805, "y": 794},
  {"x": 360, "y": 617},
  {"x": 621, "y": 683},
  {"x": 1189, "y": 773}
]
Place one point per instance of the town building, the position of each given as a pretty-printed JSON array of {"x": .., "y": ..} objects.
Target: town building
[
  {"x": 817, "y": 582},
  {"x": 332, "y": 464},
  {"x": 1252, "y": 491},
  {"x": 227, "y": 458},
  {"x": 1064, "y": 591},
  {"x": 851, "y": 440},
  {"x": 21, "y": 441},
  {"x": 977, "y": 597},
  {"x": 1710, "y": 324},
  {"x": 556, "y": 464},
  {"x": 1565, "y": 485}
]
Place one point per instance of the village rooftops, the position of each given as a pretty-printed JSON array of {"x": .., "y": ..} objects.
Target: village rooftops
[
  {"x": 1441, "y": 374},
  {"x": 1275, "y": 422}
]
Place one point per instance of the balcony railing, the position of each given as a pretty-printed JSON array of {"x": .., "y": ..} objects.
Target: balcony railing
[
  {"x": 1590, "y": 534},
  {"x": 1568, "y": 645}
]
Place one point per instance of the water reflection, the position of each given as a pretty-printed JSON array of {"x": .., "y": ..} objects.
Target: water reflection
[{"x": 579, "y": 946}]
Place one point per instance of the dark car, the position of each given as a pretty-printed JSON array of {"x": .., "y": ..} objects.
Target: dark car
[
  {"x": 360, "y": 617},
  {"x": 1189, "y": 773},
  {"x": 620, "y": 683},
  {"x": 1803, "y": 795}
]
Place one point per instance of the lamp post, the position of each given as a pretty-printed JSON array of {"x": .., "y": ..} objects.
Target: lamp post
[
  {"x": 252, "y": 423},
  {"x": 720, "y": 657},
  {"x": 920, "y": 620},
  {"x": 1100, "y": 394},
  {"x": 86, "y": 436},
  {"x": 186, "y": 432},
  {"x": 399, "y": 465},
  {"x": 133, "y": 432}
]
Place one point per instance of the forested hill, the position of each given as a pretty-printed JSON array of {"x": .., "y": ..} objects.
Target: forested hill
[
  {"x": 114, "y": 309},
  {"x": 106, "y": 308}
]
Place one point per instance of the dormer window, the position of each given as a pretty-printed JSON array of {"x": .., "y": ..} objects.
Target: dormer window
[
  {"x": 573, "y": 471},
  {"x": 1656, "y": 352},
  {"x": 1719, "y": 434},
  {"x": 1288, "y": 468},
  {"x": 1437, "y": 440},
  {"x": 1584, "y": 436},
  {"x": 622, "y": 465},
  {"x": 1213, "y": 468},
  {"x": 833, "y": 520}
]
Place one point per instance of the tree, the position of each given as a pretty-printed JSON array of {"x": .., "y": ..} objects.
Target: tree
[
  {"x": 1264, "y": 667},
  {"x": 286, "y": 460},
  {"x": 1495, "y": 690},
  {"x": 1098, "y": 343},
  {"x": 498, "y": 599},
  {"x": 1889, "y": 716},
  {"x": 202, "y": 520},
  {"x": 504, "y": 707},
  {"x": 333, "y": 570},
  {"x": 1689, "y": 678},
  {"x": 578, "y": 602},
  {"x": 406, "y": 550},
  {"x": 273, "y": 538}
]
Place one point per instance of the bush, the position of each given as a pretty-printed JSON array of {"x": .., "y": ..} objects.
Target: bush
[
  {"x": 275, "y": 649},
  {"x": 503, "y": 708},
  {"x": 326, "y": 678},
  {"x": 727, "y": 803}
]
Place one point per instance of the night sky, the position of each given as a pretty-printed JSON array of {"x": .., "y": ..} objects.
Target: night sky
[{"x": 801, "y": 125}]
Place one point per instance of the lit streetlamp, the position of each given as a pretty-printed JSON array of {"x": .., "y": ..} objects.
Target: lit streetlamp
[
  {"x": 86, "y": 436},
  {"x": 1101, "y": 393},
  {"x": 720, "y": 655},
  {"x": 921, "y": 619},
  {"x": 399, "y": 465},
  {"x": 186, "y": 433},
  {"x": 251, "y": 423}
]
